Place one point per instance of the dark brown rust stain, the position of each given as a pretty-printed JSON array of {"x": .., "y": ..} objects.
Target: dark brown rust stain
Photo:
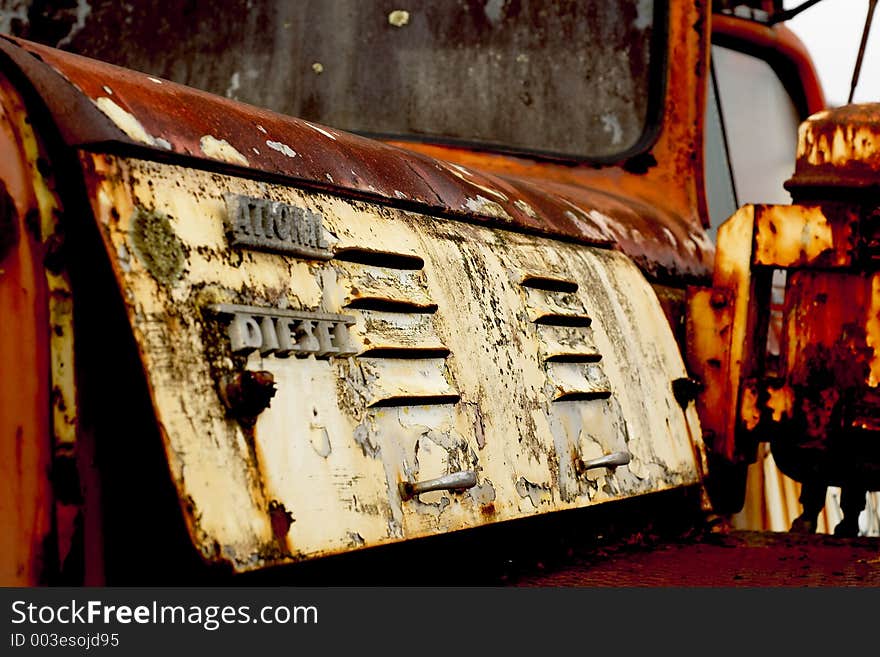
[
  {"x": 9, "y": 232},
  {"x": 281, "y": 520},
  {"x": 247, "y": 394},
  {"x": 55, "y": 256},
  {"x": 685, "y": 390}
]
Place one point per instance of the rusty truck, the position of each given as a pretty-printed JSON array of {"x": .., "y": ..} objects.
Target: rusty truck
[{"x": 281, "y": 281}]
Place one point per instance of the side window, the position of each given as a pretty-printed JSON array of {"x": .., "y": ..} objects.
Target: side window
[
  {"x": 720, "y": 192},
  {"x": 756, "y": 133}
]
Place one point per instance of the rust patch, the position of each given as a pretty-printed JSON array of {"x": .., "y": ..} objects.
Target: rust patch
[
  {"x": 780, "y": 401},
  {"x": 281, "y": 520},
  {"x": 838, "y": 148},
  {"x": 247, "y": 394},
  {"x": 804, "y": 235}
]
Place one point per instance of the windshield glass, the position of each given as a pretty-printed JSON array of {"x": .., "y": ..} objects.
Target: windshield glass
[{"x": 568, "y": 78}]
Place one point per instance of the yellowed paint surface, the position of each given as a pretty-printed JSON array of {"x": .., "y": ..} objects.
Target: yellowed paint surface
[
  {"x": 848, "y": 143},
  {"x": 460, "y": 365},
  {"x": 799, "y": 234}
]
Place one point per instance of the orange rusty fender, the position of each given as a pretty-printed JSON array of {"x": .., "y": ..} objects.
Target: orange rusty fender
[
  {"x": 329, "y": 374},
  {"x": 37, "y": 392},
  {"x": 653, "y": 218}
]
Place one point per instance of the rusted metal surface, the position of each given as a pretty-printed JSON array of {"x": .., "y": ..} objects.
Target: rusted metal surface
[
  {"x": 717, "y": 329},
  {"x": 814, "y": 396},
  {"x": 27, "y": 556},
  {"x": 94, "y": 103},
  {"x": 838, "y": 149},
  {"x": 413, "y": 357},
  {"x": 816, "y": 236}
]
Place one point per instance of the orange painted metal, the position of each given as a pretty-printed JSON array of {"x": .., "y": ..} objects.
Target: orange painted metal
[
  {"x": 726, "y": 326},
  {"x": 26, "y": 502}
]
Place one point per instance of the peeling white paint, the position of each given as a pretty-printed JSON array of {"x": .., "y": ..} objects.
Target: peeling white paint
[
  {"x": 220, "y": 149},
  {"x": 604, "y": 222},
  {"x": 318, "y": 68},
  {"x": 123, "y": 258},
  {"x": 703, "y": 243},
  {"x": 670, "y": 237},
  {"x": 482, "y": 205},
  {"x": 107, "y": 90},
  {"x": 466, "y": 175},
  {"x": 124, "y": 120},
  {"x": 525, "y": 207},
  {"x": 341, "y": 480},
  {"x": 154, "y": 80},
  {"x": 281, "y": 147},
  {"x": 321, "y": 130}
]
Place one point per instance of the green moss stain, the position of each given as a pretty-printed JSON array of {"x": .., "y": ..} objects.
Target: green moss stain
[{"x": 156, "y": 245}]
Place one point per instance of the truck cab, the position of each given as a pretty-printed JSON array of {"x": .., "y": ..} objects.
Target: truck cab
[{"x": 462, "y": 273}]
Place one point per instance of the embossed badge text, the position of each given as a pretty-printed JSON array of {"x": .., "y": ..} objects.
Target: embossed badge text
[
  {"x": 287, "y": 332},
  {"x": 266, "y": 225}
]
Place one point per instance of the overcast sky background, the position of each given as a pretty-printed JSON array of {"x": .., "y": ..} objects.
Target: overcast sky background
[{"x": 832, "y": 31}]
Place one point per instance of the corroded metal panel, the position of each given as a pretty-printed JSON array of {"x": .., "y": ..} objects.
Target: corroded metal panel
[
  {"x": 38, "y": 406},
  {"x": 806, "y": 235},
  {"x": 809, "y": 384},
  {"x": 487, "y": 369},
  {"x": 838, "y": 148}
]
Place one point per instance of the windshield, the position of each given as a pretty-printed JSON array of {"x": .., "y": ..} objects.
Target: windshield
[{"x": 569, "y": 78}]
